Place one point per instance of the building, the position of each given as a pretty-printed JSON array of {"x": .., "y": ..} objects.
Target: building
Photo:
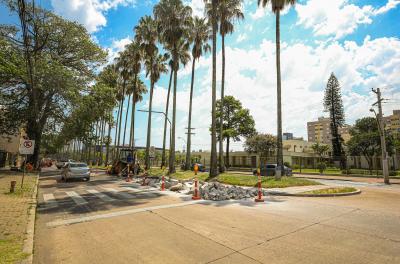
[
  {"x": 9, "y": 147},
  {"x": 320, "y": 131},
  {"x": 296, "y": 152},
  {"x": 392, "y": 122},
  {"x": 287, "y": 136}
]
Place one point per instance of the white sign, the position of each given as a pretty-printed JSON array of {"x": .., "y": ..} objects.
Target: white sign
[{"x": 26, "y": 146}]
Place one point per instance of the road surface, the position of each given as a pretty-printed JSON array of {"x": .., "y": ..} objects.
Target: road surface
[{"x": 109, "y": 221}]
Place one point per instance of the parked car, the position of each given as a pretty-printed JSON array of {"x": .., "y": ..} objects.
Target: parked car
[
  {"x": 202, "y": 168},
  {"x": 75, "y": 170},
  {"x": 61, "y": 163},
  {"x": 270, "y": 170}
]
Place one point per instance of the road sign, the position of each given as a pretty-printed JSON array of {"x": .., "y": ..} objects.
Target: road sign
[{"x": 26, "y": 147}]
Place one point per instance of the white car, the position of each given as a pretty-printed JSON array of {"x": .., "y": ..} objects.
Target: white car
[{"x": 75, "y": 170}]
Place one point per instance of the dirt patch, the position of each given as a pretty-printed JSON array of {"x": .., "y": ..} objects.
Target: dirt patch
[{"x": 14, "y": 215}]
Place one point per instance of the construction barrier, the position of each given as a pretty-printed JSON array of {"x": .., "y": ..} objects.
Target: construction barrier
[{"x": 196, "y": 194}]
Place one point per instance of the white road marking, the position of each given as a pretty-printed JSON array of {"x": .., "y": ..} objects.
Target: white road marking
[
  {"x": 50, "y": 200},
  {"x": 121, "y": 193},
  {"x": 77, "y": 198},
  {"x": 102, "y": 196},
  {"x": 120, "y": 213}
]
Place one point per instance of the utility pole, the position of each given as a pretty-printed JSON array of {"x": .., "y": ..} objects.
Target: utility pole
[
  {"x": 189, "y": 134},
  {"x": 385, "y": 167}
]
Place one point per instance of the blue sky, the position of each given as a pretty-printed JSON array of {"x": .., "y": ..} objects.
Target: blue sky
[{"x": 358, "y": 40}]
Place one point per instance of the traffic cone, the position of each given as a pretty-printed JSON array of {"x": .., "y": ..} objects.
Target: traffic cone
[
  {"x": 259, "y": 198},
  {"x": 196, "y": 194},
  {"x": 163, "y": 183}
]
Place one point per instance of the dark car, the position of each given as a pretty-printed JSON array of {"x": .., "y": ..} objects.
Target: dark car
[{"x": 270, "y": 170}]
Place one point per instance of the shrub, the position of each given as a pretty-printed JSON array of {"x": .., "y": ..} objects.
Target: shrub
[
  {"x": 321, "y": 167},
  {"x": 287, "y": 164}
]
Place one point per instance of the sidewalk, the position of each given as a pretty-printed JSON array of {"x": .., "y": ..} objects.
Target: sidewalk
[{"x": 345, "y": 178}]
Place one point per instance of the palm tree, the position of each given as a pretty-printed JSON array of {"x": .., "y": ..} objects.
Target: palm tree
[
  {"x": 212, "y": 14},
  {"x": 122, "y": 66},
  {"x": 163, "y": 159},
  {"x": 140, "y": 89},
  {"x": 227, "y": 11},
  {"x": 174, "y": 20},
  {"x": 277, "y": 7},
  {"x": 135, "y": 56},
  {"x": 199, "y": 36},
  {"x": 147, "y": 36}
]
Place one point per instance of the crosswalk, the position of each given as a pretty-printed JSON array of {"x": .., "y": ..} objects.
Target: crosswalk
[{"x": 82, "y": 197}]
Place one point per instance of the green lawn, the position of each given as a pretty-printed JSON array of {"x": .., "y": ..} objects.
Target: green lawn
[
  {"x": 332, "y": 190},
  {"x": 266, "y": 182},
  {"x": 10, "y": 251},
  {"x": 179, "y": 174},
  {"x": 237, "y": 179},
  {"x": 328, "y": 171}
]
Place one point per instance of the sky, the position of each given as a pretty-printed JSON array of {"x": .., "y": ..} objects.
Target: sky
[{"x": 358, "y": 40}]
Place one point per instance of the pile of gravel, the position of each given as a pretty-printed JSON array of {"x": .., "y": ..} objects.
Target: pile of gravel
[{"x": 217, "y": 192}]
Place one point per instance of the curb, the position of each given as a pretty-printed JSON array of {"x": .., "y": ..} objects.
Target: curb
[
  {"x": 30, "y": 230},
  {"x": 358, "y": 191}
]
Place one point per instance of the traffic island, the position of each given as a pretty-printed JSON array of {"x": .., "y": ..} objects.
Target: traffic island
[
  {"x": 330, "y": 192},
  {"x": 17, "y": 217}
]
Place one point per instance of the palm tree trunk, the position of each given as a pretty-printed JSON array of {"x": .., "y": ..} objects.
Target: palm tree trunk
[
  {"x": 116, "y": 131},
  {"x": 172, "y": 147},
  {"x": 126, "y": 119},
  {"x": 132, "y": 134},
  {"x": 221, "y": 125},
  {"x": 189, "y": 134},
  {"x": 279, "y": 103},
  {"x": 120, "y": 117},
  {"x": 213, "y": 166},
  {"x": 227, "y": 151},
  {"x": 108, "y": 144},
  {"x": 163, "y": 159},
  {"x": 147, "y": 159}
]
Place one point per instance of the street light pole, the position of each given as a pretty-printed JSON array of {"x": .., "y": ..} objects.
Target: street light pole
[
  {"x": 379, "y": 117},
  {"x": 169, "y": 121}
]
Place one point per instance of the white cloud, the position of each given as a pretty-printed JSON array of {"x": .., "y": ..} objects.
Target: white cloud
[
  {"x": 116, "y": 47},
  {"x": 197, "y": 7},
  {"x": 338, "y": 18},
  {"x": 90, "y": 13},
  {"x": 305, "y": 71},
  {"x": 241, "y": 37}
]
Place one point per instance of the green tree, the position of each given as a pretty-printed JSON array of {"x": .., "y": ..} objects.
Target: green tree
[
  {"x": 261, "y": 144},
  {"x": 334, "y": 105},
  {"x": 174, "y": 22},
  {"x": 365, "y": 140},
  {"x": 236, "y": 122},
  {"x": 320, "y": 149},
  {"x": 50, "y": 62},
  {"x": 200, "y": 35},
  {"x": 277, "y": 7}
]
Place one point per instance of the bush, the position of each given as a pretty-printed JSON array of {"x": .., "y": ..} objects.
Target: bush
[
  {"x": 287, "y": 164},
  {"x": 295, "y": 167},
  {"x": 321, "y": 167}
]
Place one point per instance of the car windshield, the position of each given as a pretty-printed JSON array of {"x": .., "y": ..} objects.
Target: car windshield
[{"x": 77, "y": 165}]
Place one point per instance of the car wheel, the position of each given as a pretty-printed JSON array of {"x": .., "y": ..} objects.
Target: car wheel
[{"x": 87, "y": 179}]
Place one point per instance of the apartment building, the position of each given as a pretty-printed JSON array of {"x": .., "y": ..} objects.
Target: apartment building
[
  {"x": 392, "y": 122},
  {"x": 320, "y": 131}
]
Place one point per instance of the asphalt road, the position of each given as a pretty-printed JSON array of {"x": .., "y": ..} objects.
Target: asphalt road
[{"x": 108, "y": 220}]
